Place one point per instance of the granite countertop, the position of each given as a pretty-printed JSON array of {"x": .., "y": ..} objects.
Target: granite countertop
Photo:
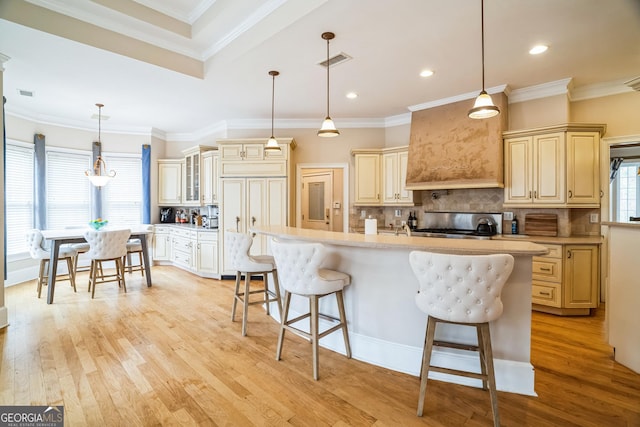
[
  {"x": 629, "y": 224},
  {"x": 186, "y": 226},
  {"x": 575, "y": 240}
]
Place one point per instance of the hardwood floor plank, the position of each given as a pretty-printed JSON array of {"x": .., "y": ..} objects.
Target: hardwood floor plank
[{"x": 169, "y": 355}]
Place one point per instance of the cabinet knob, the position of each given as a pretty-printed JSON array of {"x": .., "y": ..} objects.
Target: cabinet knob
[{"x": 568, "y": 254}]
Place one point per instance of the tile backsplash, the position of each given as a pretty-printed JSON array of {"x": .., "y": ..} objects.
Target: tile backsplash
[{"x": 571, "y": 222}]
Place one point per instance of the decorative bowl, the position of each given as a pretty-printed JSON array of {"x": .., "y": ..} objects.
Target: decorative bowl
[{"x": 97, "y": 224}]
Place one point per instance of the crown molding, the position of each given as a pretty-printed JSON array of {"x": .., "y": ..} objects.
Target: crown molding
[
  {"x": 544, "y": 90},
  {"x": 599, "y": 90},
  {"x": 456, "y": 98},
  {"x": 397, "y": 120}
]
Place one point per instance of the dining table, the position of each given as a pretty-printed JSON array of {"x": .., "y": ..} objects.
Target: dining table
[{"x": 59, "y": 237}]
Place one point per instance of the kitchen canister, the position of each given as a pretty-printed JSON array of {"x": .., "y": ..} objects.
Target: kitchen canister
[{"x": 370, "y": 226}]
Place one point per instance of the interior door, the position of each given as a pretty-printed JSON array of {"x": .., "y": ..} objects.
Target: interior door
[{"x": 317, "y": 195}]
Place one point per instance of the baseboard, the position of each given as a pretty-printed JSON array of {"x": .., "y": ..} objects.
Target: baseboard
[
  {"x": 407, "y": 359},
  {"x": 4, "y": 317}
]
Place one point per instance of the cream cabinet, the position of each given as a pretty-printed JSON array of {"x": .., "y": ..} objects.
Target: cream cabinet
[
  {"x": 566, "y": 280},
  {"x": 207, "y": 254},
  {"x": 161, "y": 243},
  {"x": 210, "y": 178},
  {"x": 553, "y": 167},
  {"x": 170, "y": 182},
  {"x": 254, "y": 190},
  {"x": 182, "y": 247},
  {"x": 380, "y": 177},
  {"x": 193, "y": 175}
]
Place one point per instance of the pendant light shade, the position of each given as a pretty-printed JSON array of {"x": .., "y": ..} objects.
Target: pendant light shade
[
  {"x": 99, "y": 176},
  {"x": 272, "y": 143},
  {"x": 483, "y": 107},
  {"x": 328, "y": 128}
]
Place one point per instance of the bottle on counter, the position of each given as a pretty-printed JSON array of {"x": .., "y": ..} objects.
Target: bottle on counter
[
  {"x": 414, "y": 222},
  {"x": 514, "y": 225},
  {"x": 410, "y": 220}
]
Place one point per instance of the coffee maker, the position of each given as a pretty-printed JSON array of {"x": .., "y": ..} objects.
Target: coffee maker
[
  {"x": 166, "y": 216},
  {"x": 211, "y": 220}
]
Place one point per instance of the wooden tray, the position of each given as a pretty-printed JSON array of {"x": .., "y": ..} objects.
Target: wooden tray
[{"x": 541, "y": 224}]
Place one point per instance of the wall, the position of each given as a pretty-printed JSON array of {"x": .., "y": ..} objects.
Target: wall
[
  {"x": 619, "y": 112},
  {"x": 539, "y": 112}
]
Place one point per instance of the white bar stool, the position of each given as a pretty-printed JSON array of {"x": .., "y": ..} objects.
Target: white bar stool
[
  {"x": 300, "y": 272},
  {"x": 462, "y": 290},
  {"x": 106, "y": 245},
  {"x": 34, "y": 241},
  {"x": 237, "y": 246}
]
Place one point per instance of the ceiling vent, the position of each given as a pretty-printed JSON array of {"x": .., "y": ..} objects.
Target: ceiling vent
[
  {"x": 28, "y": 93},
  {"x": 634, "y": 84},
  {"x": 335, "y": 60}
]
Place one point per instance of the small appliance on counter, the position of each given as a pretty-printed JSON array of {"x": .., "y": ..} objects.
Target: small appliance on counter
[
  {"x": 166, "y": 216},
  {"x": 211, "y": 217}
]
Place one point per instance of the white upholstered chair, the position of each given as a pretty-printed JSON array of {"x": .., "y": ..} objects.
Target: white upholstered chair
[
  {"x": 134, "y": 247},
  {"x": 34, "y": 240},
  {"x": 463, "y": 290},
  {"x": 301, "y": 273},
  {"x": 106, "y": 245},
  {"x": 237, "y": 246}
]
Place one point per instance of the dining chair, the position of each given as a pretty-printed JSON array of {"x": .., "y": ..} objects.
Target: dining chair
[
  {"x": 134, "y": 247},
  {"x": 34, "y": 241},
  {"x": 461, "y": 290},
  {"x": 106, "y": 245}
]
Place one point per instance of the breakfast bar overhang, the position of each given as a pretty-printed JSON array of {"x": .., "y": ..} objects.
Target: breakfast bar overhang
[{"x": 387, "y": 329}]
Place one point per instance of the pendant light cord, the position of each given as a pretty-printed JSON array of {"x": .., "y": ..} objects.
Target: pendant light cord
[
  {"x": 482, "y": 38},
  {"x": 273, "y": 94},
  {"x": 327, "y": 77}
]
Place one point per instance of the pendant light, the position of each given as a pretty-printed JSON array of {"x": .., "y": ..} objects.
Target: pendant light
[
  {"x": 483, "y": 107},
  {"x": 99, "y": 176},
  {"x": 272, "y": 143},
  {"x": 328, "y": 128}
]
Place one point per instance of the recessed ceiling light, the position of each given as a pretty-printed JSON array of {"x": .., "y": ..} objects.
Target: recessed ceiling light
[
  {"x": 352, "y": 95},
  {"x": 538, "y": 49},
  {"x": 426, "y": 73}
]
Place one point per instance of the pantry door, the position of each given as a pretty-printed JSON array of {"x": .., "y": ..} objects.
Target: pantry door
[{"x": 317, "y": 194}]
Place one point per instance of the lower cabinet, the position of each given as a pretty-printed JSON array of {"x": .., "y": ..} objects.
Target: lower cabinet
[
  {"x": 566, "y": 280},
  {"x": 190, "y": 249}
]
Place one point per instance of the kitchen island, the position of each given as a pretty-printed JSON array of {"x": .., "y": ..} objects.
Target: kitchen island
[{"x": 385, "y": 326}]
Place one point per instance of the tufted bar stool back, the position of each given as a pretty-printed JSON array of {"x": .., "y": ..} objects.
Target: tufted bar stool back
[
  {"x": 301, "y": 273},
  {"x": 237, "y": 247},
  {"x": 106, "y": 245},
  {"x": 463, "y": 290},
  {"x": 68, "y": 254}
]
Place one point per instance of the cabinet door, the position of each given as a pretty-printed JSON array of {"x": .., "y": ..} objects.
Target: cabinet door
[
  {"x": 215, "y": 179},
  {"x": 253, "y": 152},
  {"x": 169, "y": 183},
  {"x": 367, "y": 179},
  {"x": 161, "y": 247},
  {"x": 256, "y": 211},
  {"x": 207, "y": 253},
  {"x": 207, "y": 179},
  {"x": 583, "y": 168},
  {"x": 518, "y": 170},
  {"x": 549, "y": 168},
  {"x": 580, "y": 287},
  {"x": 390, "y": 193},
  {"x": 232, "y": 213},
  {"x": 405, "y": 196}
]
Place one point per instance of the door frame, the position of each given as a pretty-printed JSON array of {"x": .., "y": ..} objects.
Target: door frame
[
  {"x": 345, "y": 189},
  {"x": 605, "y": 201}
]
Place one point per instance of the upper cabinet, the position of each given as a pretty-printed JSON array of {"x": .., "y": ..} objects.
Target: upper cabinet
[
  {"x": 170, "y": 182},
  {"x": 247, "y": 157},
  {"x": 210, "y": 178},
  {"x": 553, "y": 167},
  {"x": 381, "y": 176},
  {"x": 181, "y": 181}
]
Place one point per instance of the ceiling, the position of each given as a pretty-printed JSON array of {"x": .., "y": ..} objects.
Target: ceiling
[{"x": 189, "y": 68}]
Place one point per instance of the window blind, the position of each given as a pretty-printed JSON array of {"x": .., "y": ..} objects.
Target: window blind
[
  {"x": 68, "y": 189},
  {"x": 122, "y": 197},
  {"x": 18, "y": 197}
]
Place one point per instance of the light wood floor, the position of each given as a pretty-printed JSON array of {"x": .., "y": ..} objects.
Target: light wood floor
[{"x": 169, "y": 355}]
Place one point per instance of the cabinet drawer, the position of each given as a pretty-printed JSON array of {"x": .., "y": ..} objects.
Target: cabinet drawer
[
  {"x": 182, "y": 244},
  {"x": 160, "y": 229},
  {"x": 555, "y": 251},
  {"x": 186, "y": 233},
  {"x": 207, "y": 236},
  {"x": 547, "y": 269},
  {"x": 181, "y": 258},
  {"x": 546, "y": 293}
]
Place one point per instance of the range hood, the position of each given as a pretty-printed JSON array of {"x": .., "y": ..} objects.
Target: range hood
[{"x": 448, "y": 150}]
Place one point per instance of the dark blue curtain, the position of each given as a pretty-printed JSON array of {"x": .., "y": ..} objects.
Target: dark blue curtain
[{"x": 146, "y": 184}]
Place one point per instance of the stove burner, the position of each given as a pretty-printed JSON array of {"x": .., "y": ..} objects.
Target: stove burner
[{"x": 450, "y": 232}]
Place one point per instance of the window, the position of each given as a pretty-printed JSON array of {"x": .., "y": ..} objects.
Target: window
[
  {"x": 627, "y": 191},
  {"x": 122, "y": 197},
  {"x": 19, "y": 195},
  {"x": 68, "y": 189}
]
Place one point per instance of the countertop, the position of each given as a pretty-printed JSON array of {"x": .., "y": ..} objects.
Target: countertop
[
  {"x": 186, "y": 226},
  {"x": 386, "y": 241},
  {"x": 571, "y": 240},
  {"x": 630, "y": 224}
]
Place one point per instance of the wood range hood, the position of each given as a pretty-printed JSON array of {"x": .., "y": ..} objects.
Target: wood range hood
[{"x": 448, "y": 150}]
